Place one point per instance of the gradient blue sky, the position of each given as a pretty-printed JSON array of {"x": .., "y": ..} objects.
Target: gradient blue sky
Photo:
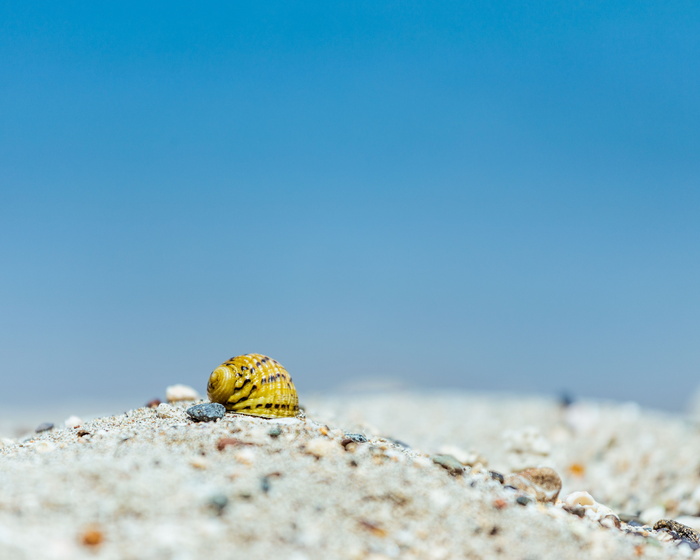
[{"x": 486, "y": 195}]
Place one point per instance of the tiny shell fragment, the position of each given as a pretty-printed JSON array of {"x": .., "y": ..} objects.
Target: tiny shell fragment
[
  {"x": 72, "y": 422},
  {"x": 175, "y": 393},
  {"x": 542, "y": 483},
  {"x": 583, "y": 504}
]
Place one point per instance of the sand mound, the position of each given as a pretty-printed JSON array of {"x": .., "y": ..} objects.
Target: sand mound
[{"x": 368, "y": 476}]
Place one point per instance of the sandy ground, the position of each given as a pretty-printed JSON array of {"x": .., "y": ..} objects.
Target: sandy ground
[{"x": 151, "y": 483}]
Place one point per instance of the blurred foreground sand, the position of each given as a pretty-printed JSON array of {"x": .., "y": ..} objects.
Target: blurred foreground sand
[{"x": 144, "y": 484}]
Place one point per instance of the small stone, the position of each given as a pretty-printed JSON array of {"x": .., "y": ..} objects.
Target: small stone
[
  {"x": 176, "y": 393},
  {"x": 207, "y": 412},
  {"x": 92, "y": 536},
  {"x": 541, "y": 483},
  {"x": 72, "y": 422},
  {"x": 153, "y": 403},
  {"x": 350, "y": 441},
  {"x": 523, "y": 500},
  {"x": 218, "y": 503},
  {"x": 44, "y": 427},
  {"x": 453, "y": 466},
  {"x": 683, "y": 531},
  {"x": 275, "y": 432},
  {"x": 497, "y": 476}
]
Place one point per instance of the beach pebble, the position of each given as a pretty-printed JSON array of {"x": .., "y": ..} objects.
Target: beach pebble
[
  {"x": 541, "y": 483},
  {"x": 357, "y": 438},
  {"x": 274, "y": 432},
  {"x": 218, "y": 503},
  {"x": 206, "y": 412},
  {"x": 72, "y": 422},
  {"x": 44, "y": 427},
  {"x": 92, "y": 536},
  {"x": 681, "y": 531},
  {"x": 448, "y": 462},
  {"x": 175, "y": 393}
]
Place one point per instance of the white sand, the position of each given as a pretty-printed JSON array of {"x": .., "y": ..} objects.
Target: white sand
[{"x": 140, "y": 486}]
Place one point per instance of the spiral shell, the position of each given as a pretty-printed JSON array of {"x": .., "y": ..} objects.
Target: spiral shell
[{"x": 254, "y": 384}]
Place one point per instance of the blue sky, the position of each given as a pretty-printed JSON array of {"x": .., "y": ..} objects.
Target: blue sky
[{"x": 484, "y": 195}]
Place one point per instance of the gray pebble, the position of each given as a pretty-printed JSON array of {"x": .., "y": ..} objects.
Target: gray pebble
[
  {"x": 497, "y": 476},
  {"x": 453, "y": 466},
  {"x": 357, "y": 438},
  {"x": 218, "y": 503},
  {"x": 275, "y": 431},
  {"x": 206, "y": 412},
  {"x": 45, "y": 427}
]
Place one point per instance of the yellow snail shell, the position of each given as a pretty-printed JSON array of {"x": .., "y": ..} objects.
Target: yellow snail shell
[{"x": 254, "y": 384}]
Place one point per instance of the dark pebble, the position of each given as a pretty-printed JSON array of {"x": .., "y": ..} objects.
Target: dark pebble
[
  {"x": 206, "y": 412},
  {"x": 352, "y": 438},
  {"x": 45, "y": 427},
  {"x": 274, "y": 432},
  {"x": 453, "y": 466},
  {"x": 523, "y": 500},
  {"x": 265, "y": 484},
  {"x": 218, "y": 503},
  {"x": 497, "y": 476}
]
